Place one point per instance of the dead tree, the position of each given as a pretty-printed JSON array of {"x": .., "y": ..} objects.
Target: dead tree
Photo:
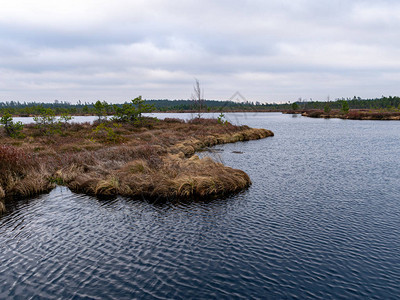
[{"x": 198, "y": 98}]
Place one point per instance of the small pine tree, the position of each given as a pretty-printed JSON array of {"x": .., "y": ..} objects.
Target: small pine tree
[
  {"x": 101, "y": 109},
  {"x": 345, "y": 107},
  {"x": 46, "y": 121},
  {"x": 132, "y": 112},
  {"x": 327, "y": 108},
  {"x": 12, "y": 129},
  {"x": 295, "y": 106}
]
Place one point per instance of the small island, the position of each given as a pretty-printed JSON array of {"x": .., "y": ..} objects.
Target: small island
[
  {"x": 352, "y": 114},
  {"x": 134, "y": 157},
  {"x": 385, "y": 108}
]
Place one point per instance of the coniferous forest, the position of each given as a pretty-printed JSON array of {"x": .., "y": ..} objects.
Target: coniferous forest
[{"x": 18, "y": 108}]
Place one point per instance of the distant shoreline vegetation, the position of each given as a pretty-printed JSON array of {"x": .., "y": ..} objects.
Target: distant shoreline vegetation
[
  {"x": 26, "y": 109},
  {"x": 354, "y": 114}
]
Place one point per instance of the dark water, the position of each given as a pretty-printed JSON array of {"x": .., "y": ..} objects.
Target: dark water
[{"x": 321, "y": 220}]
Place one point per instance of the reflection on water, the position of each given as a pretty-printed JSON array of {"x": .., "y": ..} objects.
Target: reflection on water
[{"x": 321, "y": 220}]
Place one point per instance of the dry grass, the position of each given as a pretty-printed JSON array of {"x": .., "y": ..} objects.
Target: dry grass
[
  {"x": 2, "y": 207},
  {"x": 21, "y": 173},
  {"x": 154, "y": 160},
  {"x": 178, "y": 178}
]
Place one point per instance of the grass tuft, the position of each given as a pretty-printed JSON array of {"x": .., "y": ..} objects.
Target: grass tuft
[{"x": 107, "y": 187}]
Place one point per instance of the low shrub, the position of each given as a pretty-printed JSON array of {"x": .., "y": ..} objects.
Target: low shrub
[
  {"x": 14, "y": 160},
  {"x": 107, "y": 132}
]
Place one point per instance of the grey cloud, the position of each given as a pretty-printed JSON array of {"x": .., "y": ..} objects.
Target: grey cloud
[{"x": 274, "y": 49}]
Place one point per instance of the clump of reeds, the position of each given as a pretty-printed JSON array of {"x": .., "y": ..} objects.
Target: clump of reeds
[{"x": 173, "y": 178}]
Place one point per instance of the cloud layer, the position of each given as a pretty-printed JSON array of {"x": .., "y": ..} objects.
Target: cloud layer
[{"x": 268, "y": 50}]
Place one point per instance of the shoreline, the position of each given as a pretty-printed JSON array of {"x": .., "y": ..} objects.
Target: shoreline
[
  {"x": 352, "y": 114},
  {"x": 154, "y": 160}
]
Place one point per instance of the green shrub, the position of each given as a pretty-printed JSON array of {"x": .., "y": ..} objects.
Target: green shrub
[
  {"x": 101, "y": 110},
  {"x": 221, "y": 119},
  {"x": 132, "y": 112},
  {"x": 107, "y": 133},
  {"x": 345, "y": 107},
  {"x": 12, "y": 129}
]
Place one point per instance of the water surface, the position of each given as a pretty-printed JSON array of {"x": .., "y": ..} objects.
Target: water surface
[{"x": 321, "y": 220}]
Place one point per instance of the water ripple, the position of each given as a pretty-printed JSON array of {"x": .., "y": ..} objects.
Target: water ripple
[{"x": 321, "y": 220}]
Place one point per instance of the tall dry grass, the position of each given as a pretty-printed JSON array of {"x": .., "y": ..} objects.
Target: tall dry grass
[
  {"x": 21, "y": 174},
  {"x": 153, "y": 160},
  {"x": 174, "y": 178}
]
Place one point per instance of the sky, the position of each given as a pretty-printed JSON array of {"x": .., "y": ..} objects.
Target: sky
[{"x": 268, "y": 50}]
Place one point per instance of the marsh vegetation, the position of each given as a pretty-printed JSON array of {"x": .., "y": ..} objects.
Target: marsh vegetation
[
  {"x": 131, "y": 155},
  {"x": 353, "y": 114}
]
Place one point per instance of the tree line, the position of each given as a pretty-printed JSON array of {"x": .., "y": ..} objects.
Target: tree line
[
  {"x": 17, "y": 108},
  {"x": 164, "y": 105},
  {"x": 387, "y": 103}
]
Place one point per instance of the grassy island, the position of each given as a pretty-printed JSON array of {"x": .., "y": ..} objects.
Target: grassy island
[
  {"x": 353, "y": 114},
  {"x": 149, "y": 158}
]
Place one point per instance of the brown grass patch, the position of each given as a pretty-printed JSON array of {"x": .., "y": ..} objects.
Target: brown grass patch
[{"x": 154, "y": 160}]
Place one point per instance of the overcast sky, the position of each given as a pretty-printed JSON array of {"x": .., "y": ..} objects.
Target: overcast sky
[{"x": 269, "y": 50}]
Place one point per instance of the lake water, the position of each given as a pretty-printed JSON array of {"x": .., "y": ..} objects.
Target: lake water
[{"x": 321, "y": 220}]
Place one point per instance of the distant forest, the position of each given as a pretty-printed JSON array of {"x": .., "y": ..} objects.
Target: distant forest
[{"x": 85, "y": 108}]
